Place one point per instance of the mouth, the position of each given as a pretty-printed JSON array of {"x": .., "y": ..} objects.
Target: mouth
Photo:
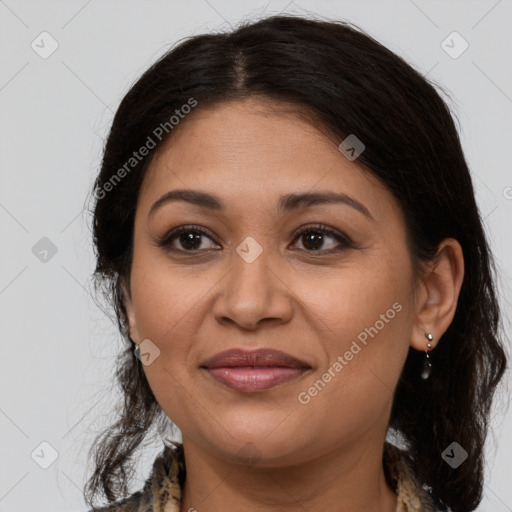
[
  {"x": 252, "y": 379},
  {"x": 254, "y": 371}
]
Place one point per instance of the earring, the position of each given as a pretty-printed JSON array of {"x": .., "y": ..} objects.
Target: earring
[
  {"x": 137, "y": 351},
  {"x": 427, "y": 366}
]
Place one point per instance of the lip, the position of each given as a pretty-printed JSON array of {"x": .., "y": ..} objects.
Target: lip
[
  {"x": 263, "y": 357},
  {"x": 256, "y": 370}
]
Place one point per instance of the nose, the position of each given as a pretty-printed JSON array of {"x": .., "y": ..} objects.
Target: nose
[{"x": 253, "y": 293}]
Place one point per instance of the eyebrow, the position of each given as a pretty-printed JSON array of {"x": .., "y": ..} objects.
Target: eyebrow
[{"x": 287, "y": 203}]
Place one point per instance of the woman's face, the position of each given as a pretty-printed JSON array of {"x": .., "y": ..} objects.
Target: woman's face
[{"x": 340, "y": 302}]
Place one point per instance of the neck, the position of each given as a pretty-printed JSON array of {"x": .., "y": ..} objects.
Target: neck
[{"x": 350, "y": 478}]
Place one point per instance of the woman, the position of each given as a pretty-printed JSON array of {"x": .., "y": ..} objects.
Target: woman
[{"x": 286, "y": 225}]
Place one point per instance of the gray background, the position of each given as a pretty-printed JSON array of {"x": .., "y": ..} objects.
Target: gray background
[{"x": 58, "y": 348}]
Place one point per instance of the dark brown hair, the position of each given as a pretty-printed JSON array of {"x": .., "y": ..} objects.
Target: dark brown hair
[{"x": 353, "y": 85}]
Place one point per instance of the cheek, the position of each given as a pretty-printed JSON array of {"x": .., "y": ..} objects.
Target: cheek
[
  {"x": 166, "y": 308},
  {"x": 359, "y": 301},
  {"x": 363, "y": 323},
  {"x": 166, "y": 312},
  {"x": 164, "y": 297}
]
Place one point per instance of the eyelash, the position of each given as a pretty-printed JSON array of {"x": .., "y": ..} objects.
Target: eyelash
[{"x": 345, "y": 241}]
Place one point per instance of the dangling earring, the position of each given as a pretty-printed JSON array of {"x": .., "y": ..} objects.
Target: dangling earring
[
  {"x": 137, "y": 350},
  {"x": 427, "y": 366}
]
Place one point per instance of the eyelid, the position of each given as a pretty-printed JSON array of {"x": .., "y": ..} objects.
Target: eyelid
[
  {"x": 323, "y": 228},
  {"x": 165, "y": 240},
  {"x": 344, "y": 240}
]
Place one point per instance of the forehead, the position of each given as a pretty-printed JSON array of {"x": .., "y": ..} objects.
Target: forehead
[{"x": 249, "y": 149}]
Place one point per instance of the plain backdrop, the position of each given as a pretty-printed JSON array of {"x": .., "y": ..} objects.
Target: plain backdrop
[{"x": 64, "y": 68}]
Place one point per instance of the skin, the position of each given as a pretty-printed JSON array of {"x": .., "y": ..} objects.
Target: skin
[{"x": 326, "y": 454}]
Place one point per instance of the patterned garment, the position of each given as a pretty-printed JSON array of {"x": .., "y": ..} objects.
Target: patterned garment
[{"x": 162, "y": 490}]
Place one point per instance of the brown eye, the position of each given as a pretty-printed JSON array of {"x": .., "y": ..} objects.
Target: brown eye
[
  {"x": 189, "y": 239},
  {"x": 314, "y": 239}
]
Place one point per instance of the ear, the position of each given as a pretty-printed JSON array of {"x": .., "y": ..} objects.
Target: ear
[
  {"x": 438, "y": 294},
  {"x": 130, "y": 311}
]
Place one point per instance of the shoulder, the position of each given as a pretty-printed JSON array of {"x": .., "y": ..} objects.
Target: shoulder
[
  {"x": 130, "y": 504},
  {"x": 165, "y": 478},
  {"x": 401, "y": 474}
]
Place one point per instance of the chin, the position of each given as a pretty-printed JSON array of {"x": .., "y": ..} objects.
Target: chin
[{"x": 258, "y": 447}]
